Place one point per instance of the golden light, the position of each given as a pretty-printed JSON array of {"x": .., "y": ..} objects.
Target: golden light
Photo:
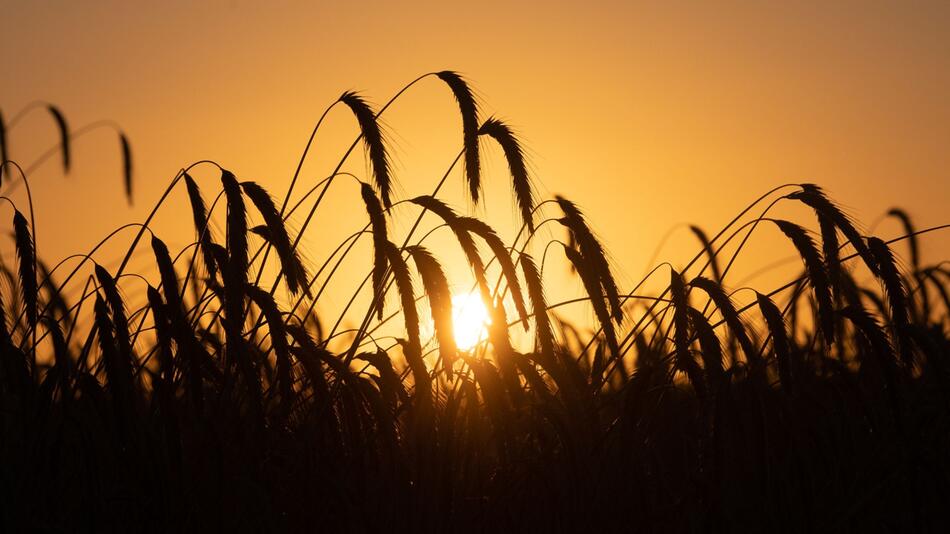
[{"x": 469, "y": 319}]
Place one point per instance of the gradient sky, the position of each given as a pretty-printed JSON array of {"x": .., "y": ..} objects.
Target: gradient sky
[{"x": 647, "y": 115}]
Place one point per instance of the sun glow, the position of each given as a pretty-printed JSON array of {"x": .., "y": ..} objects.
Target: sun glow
[{"x": 469, "y": 320}]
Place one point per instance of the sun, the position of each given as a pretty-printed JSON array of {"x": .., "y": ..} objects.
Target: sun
[{"x": 470, "y": 320}]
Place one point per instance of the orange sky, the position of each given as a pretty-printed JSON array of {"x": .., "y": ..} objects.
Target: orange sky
[{"x": 646, "y": 115}]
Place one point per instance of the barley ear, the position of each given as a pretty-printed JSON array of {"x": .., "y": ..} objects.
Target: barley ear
[
  {"x": 295, "y": 275},
  {"x": 729, "y": 314},
  {"x": 681, "y": 335},
  {"x": 592, "y": 286},
  {"x": 817, "y": 275},
  {"x": 166, "y": 270},
  {"x": 709, "y": 346},
  {"x": 26, "y": 265},
  {"x": 463, "y": 235},
  {"x": 710, "y": 253},
  {"x": 377, "y": 222},
  {"x": 498, "y": 248},
  {"x": 374, "y": 142},
  {"x": 199, "y": 215},
  {"x": 910, "y": 231},
  {"x": 514, "y": 154},
  {"x": 237, "y": 230},
  {"x": 898, "y": 305},
  {"x": 592, "y": 251},
  {"x": 780, "y": 344},
  {"x": 126, "y": 166},
  {"x": 63, "y": 129},
  {"x": 814, "y": 197},
  {"x": 544, "y": 338},
  {"x": 880, "y": 351},
  {"x": 440, "y": 302},
  {"x": 468, "y": 107},
  {"x": 413, "y": 347},
  {"x": 278, "y": 336}
]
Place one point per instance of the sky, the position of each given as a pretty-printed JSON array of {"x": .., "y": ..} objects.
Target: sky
[{"x": 650, "y": 116}]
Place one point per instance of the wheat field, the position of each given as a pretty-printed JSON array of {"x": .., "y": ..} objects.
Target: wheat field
[{"x": 206, "y": 393}]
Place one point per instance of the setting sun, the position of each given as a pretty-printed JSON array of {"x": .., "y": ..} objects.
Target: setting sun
[{"x": 470, "y": 320}]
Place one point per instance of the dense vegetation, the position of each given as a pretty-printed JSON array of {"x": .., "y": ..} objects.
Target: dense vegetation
[{"x": 206, "y": 404}]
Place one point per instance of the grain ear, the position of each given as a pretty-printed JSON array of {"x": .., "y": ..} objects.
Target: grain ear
[
  {"x": 199, "y": 215},
  {"x": 463, "y": 234},
  {"x": 592, "y": 251},
  {"x": 295, "y": 275},
  {"x": 166, "y": 270},
  {"x": 374, "y": 142},
  {"x": 544, "y": 338},
  {"x": 814, "y": 197},
  {"x": 592, "y": 286},
  {"x": 498, "y": 248},
  {"x": 881, "y": 353},
  {"x": 278, "y": 336},
  {"x": 377, "y": 222},
  {"x": 898, "y": 305},
  {"x": 436, "y": 288},
  {"x": 163, "y": 334},
  {"x": 911, "y": 232},
  {"x": 681, "y": 334},
  {"x": 710, "y": 253},
  {"x": 514, "y": 154},
  {"x": 26, "y": 255},
  {"x": 412, "y": 348},
  {"x": 780, "y": 344},
  {"x": 237, "y": 228},
  {"x": 710, "y": 348},
  {"x": 63, "y": 129},
  {"x": 730, "y": 315},
  {"x": 126, "y": 166},
  {"x": 817, "y": 275},
  {"x": 468, "y": 107}
]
